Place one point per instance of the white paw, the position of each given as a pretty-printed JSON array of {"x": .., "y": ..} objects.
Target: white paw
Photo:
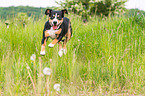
[
  {"x": 64, "y": 51},
  {"x": 60, "y": 53},
  {"x": 42, "y": 52},
  {"x": 51, "y": 45}
]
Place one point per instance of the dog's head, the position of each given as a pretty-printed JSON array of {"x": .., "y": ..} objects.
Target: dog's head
[{"x": 55, "y": 17}]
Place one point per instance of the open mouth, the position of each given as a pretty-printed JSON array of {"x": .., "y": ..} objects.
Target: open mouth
[{"x": 54, "y": 27}]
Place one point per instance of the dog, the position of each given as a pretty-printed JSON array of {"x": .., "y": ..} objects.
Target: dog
[{"x": 57, "y": 27}]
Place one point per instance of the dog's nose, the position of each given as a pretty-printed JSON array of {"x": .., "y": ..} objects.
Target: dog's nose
[{"x": 54, "y": 22}]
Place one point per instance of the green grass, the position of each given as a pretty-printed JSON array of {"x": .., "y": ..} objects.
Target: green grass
[{"x": 104, "y": 57}]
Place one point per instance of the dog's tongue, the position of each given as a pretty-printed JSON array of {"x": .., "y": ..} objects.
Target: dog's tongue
[{"x": 54, "y": 27}]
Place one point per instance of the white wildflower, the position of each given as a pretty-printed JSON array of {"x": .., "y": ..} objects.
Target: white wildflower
[
  {"x": 28, "y": 67},
  {"x": 57, "y": 87},
  {"x": 113, "y": 4},
  {"x": 76, "y": 5},
  {"x": 33, "y": 57},
  {"x": 0, "y": 40},
  {"x": 7, "y": 26},
  {"x": 47, "y": 71},
  {"x": 78, "y": 40}
]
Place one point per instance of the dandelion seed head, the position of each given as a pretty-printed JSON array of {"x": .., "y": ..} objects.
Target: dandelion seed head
[
  {"x": 28, "y": 67},
  {"x": 57, "y": 87},
  {"x": 47, "y": 71},
  {"x": 76, "y": 5},
  {"x": 33, "y": 57}
]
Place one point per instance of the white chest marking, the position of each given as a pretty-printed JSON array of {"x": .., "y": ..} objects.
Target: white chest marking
[{"x": 52, "y": 33}]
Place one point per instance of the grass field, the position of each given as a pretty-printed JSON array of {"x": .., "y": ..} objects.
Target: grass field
[{"x": 104, "y": 57}]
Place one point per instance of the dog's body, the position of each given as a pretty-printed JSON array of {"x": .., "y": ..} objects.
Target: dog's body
[{"x": 56, "y": 27}]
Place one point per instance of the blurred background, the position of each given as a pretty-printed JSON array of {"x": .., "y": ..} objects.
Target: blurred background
[{"x": 83, "y": 8}]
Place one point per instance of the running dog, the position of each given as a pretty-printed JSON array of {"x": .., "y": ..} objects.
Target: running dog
[{"x": 57, "y": 27}]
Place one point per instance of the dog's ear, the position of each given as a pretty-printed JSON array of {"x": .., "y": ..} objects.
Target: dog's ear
[
  {"x": 48, "y": 11},
  {"x": 64, "y": 11}
]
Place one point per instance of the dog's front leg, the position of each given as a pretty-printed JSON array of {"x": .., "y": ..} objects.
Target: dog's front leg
[
  {"x": 42, "y": 52},
  {"x": 59, "y": 37},
  {"x": 46, "y": 33},
  {"x": 45, "y": 36},
  {"x": 55, "y": 41},
  {"x": 59, "y": 31},
  {"x": 60, "y": 53}
]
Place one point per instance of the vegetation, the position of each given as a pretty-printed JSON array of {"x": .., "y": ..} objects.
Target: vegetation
[
  {"x": 8, "y": 13},
  {"x": 85, "y": 8},
  {"x": 11, "y": 12},
  {"x": 104, "y": 57}
]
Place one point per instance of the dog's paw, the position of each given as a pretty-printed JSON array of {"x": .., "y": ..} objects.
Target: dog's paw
[
  {"x": 42, "y": 52},
  {"x": 51, "y": 45},
  {"x": 60, "y": 53},
  {"x": 64, "y": 51}
]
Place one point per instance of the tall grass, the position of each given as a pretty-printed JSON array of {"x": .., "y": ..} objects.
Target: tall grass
[{"x": 104, "y": 57}]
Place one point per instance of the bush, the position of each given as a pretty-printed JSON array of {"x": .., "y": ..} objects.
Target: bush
[
  {"x": 85, "y": 8},
  {"x": 139, "y": 19}
]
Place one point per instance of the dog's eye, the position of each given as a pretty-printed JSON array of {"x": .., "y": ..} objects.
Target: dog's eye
[
  {"x": 59, "y": 18},
  {"x": 52, "y": 17}
]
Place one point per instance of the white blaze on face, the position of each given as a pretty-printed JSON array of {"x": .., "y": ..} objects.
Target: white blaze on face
[
  {"x": 55, "y": 19},
  {"x": 55, "y": 22}
]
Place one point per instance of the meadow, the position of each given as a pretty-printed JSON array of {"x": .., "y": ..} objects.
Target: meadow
[{"x": 104, "y": 57}]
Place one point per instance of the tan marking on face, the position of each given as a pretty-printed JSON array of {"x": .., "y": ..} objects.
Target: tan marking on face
[
  {"x": 50, "y": 21},
  {"x": 60, "y": 21}
]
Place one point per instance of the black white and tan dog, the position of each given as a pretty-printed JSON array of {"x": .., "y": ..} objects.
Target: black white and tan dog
[{"x": 57, "y": 27}]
